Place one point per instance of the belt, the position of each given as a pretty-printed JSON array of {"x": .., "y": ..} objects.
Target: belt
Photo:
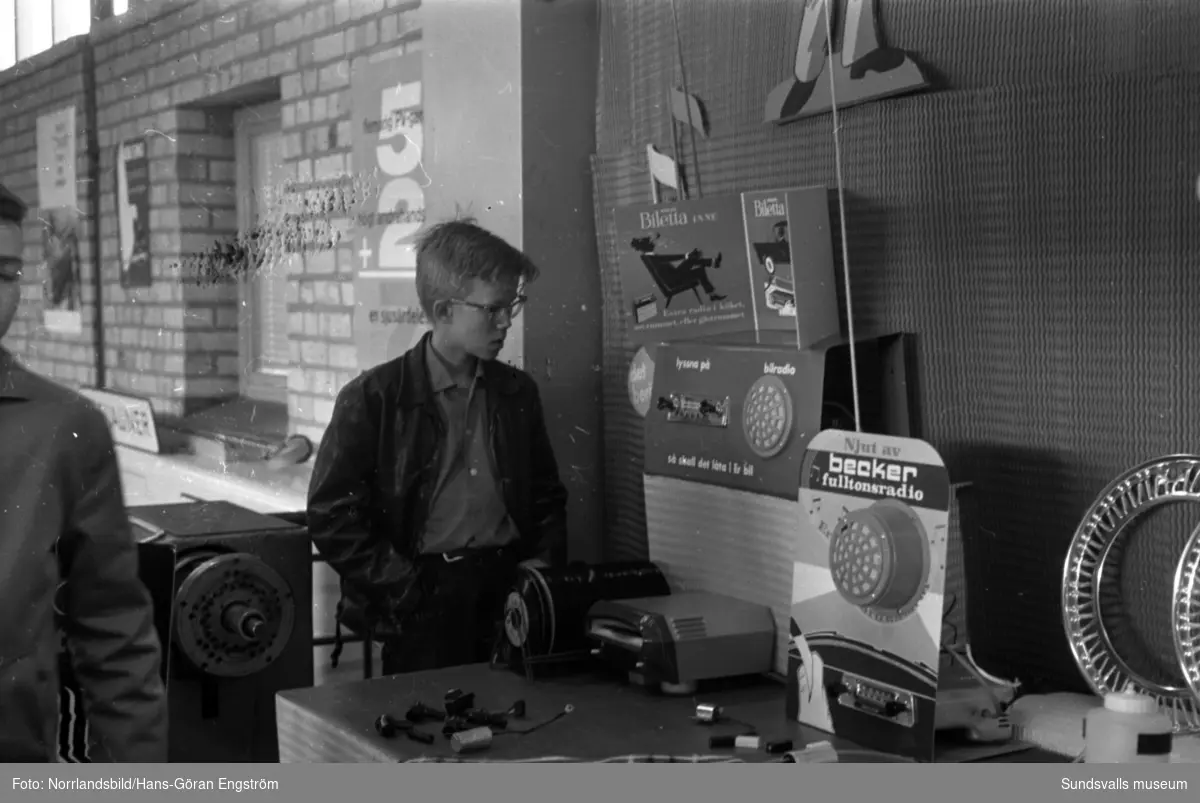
[{"x": 468, "y": 555}]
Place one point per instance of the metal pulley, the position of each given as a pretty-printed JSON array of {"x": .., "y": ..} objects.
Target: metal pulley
[{"x": 234, "y": 614}]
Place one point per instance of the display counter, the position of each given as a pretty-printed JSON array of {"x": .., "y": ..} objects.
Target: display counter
[{"x": 335, "y": 723}]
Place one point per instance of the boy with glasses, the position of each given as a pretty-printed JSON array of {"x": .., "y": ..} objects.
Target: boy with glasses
[
  {"x": 436, "y": 477},
  {"x": 77, "y": 638}
]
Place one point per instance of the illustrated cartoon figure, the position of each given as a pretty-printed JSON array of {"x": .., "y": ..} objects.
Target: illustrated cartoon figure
[
  {"x": 810, "y": 679},
  {"x": 780, "y": 229},
  {"x": 676, "y": 273},
  {"x": 875, "y": 68}
]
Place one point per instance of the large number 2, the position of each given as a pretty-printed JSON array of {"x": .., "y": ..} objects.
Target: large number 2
[
  {"x": 395, "y": 248},
  {"x": 402, "y": 195}
]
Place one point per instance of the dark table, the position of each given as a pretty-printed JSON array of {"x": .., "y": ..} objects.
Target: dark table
[{"x": 335, "y": 722}]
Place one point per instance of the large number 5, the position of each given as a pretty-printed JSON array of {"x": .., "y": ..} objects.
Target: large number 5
[{"x": 396, "y": 99}]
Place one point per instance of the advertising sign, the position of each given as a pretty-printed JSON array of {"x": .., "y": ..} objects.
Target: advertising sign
[
  {"x": 133, "y": 212},
  {"x": 62, "y": 299},
  {"x": 388, "y": 137},
  {"x": 867, "y": 591},
  {"x": 755, "y": 262},
  {"x": 733, "y": 417}
]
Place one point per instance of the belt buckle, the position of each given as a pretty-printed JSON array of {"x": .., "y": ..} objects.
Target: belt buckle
[{"x": 446, "y": 557}]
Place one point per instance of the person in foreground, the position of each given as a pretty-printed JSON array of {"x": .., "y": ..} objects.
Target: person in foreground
[
  {"x": 436, "y": 477},
  {"x": 68, "y": 566}
]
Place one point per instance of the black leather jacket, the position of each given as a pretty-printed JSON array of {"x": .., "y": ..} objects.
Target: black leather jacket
[{"x": 376, "y": 467}]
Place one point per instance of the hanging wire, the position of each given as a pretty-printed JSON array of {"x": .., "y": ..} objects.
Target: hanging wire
[
  {"x": 841, "y": 190},
  {"x": 687, "y": 97}
]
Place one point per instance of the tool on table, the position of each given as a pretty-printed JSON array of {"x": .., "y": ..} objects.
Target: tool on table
[
  {"x": 471, "y": 741},
  {"x": 745, "y": 741},
  {"x": 481, "y": 716},
  {"x": 475, "y": 739},
  {"x": 459, "y": 720},
  {"x": 709, "y": 714},
  {"x": 388, "y": 727},
  {"x": 675, "y": 641},
  {"x": 420, "y": 712},
  {"x": 457, "y": 702}
]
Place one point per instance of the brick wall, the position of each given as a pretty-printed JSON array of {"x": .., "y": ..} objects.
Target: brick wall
[
  {"x": 174, "y": 72},
  {"x": 159, "y": 69},
  {"x": 48, "y": 82}
]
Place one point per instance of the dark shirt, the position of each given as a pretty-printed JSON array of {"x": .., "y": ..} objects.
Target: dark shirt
[
  {"x": 467, "y": 508},
  {"x": 60, "y": 498}
]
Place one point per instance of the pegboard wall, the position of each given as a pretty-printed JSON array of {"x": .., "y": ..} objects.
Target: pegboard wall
[{"x": 1032, "y": 218}]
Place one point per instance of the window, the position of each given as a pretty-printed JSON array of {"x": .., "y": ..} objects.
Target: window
[
  {"x": 35, "y": 27},
  {"x": 263, "y": 314},
  {"x": 71, "y": 18},
  {"x": 27, "y": 27},
  {"x": 8, "y": 33}
]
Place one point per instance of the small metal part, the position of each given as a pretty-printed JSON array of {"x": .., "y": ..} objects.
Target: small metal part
[
  {"x": 386, "y": 726},
  {"x": 747, "y": 742},
  {"x": 708, "y": 713},
  {"x": 424, "y": 713},
  {"x": 457, "y": 702},
  {"x": 471, "y": 741}
]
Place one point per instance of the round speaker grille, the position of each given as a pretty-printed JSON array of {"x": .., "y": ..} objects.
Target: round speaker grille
[
  {"x": 767, "y": 416},
  {"x": 879, "y": 559}
]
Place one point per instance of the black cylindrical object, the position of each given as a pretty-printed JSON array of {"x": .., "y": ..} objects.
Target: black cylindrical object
[{"x": 546, "y": 612}]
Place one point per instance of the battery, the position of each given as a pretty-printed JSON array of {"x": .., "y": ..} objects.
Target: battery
[{"x": 708, "y": 713}]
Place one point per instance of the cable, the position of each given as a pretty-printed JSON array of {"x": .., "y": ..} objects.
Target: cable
[
  {"x": 946, "y": 623},
  {"x": 509, "y": 732},
  {"x": 999, "y": 706},
  {"x": 687, "y": 98},
  {"x": 837, "y": 159}
]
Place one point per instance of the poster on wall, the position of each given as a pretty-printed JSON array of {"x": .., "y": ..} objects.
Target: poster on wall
[
  {"x": 719, "y": 265},
  {"x": 133, "y": 213},
  {"x": 388, "y": 138},
  {"x": 683, "y": 269},
  {"x": 790, "y": 248},
  {"x": 59, "y": 213}
]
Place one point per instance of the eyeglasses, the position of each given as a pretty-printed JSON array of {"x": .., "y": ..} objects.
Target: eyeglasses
[
  {"x": 496, "y": 312},
  {"x": 11, "y": 269}
]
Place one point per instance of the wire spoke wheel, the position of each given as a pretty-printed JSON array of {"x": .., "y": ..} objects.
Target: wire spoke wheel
[
  {"x": 1100, "y": 535},
  {"x": 1185, "y": 613}
]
